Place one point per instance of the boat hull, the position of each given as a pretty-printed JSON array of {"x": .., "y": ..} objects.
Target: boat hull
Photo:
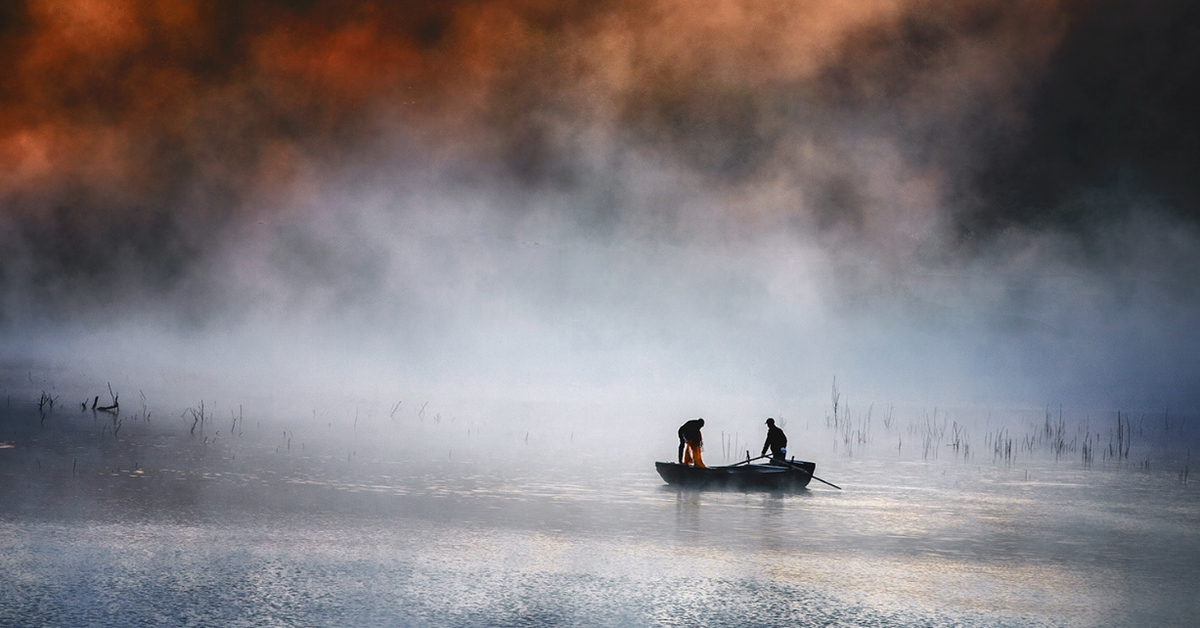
[{"x": 771, "y": 476}]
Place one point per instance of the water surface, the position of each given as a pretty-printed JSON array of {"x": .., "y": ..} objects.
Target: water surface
[{"x": 308, "y": 523}]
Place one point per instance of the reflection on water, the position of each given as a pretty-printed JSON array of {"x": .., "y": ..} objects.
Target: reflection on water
[{"x": 165, "y": 529}]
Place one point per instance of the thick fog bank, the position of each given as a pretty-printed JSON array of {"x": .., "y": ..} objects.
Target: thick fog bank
[{"x": 983, "y": 203}]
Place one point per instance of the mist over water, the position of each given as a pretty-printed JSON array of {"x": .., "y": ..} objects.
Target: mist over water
[
  {"x": 930, "y": 199},
  {"x": 478, "y": 260}
]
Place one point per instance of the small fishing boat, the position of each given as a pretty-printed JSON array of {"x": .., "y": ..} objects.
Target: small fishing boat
[{"x": 773, "y": 475}]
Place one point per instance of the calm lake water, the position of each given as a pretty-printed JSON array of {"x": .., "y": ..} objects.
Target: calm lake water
[{"x": 374, "y": 518}]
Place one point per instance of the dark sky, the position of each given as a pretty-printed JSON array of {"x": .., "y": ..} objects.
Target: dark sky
[{"x": 990, "y": 189}]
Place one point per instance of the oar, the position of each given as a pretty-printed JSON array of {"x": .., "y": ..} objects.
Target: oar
[
  {"x": 747, "y": 461},
  {"x": 813, "y": 476},
  {"x": 824, "y": 482}
]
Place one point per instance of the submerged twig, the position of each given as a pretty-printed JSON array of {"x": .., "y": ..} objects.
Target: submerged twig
[
  {"x": 116, "y": 403},
  {"x": 198, "y": 417}
]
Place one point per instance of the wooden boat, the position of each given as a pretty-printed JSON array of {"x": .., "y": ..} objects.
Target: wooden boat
[{"x": 774, "y": 475}]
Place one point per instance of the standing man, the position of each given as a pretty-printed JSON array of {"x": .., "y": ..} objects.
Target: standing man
[
  {"x": 689, "y": 443},
  {"x": 776, "y": 441}
]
